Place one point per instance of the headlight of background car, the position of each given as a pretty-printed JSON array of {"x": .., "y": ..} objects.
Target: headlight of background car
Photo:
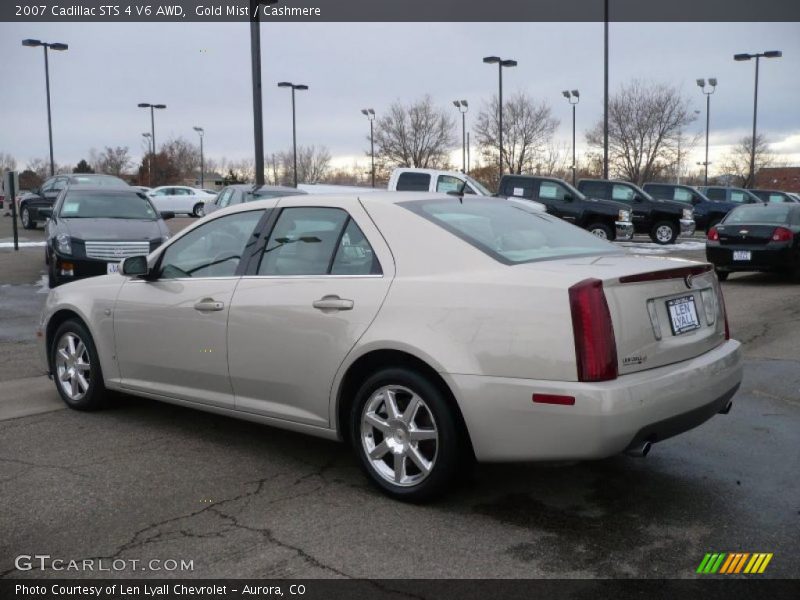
[
  {"x": 688, "y": 213},
  {"x": 64, "y": 244},
  {"x": 624, "y": 215}
]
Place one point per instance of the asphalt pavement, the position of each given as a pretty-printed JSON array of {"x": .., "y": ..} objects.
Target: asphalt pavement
[{"x": 144, "y": 480}]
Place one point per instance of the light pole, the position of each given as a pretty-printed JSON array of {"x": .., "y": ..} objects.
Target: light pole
[
  {"x": 569, "y": 95},
  {"x": 679, "y": 166},
  {"x": 740, "y": 57},
  {"x": 152, "y": 131},
  {"x": 255, "y": 67},
  {"x": 500, "y": 64},
  {"x": 370, "y": 114},
  {"x": 200, "y": 132},
  {"x": 701, "y": 83},
  {"x": 605, "y": 89},
  {"x": 463, "y": 107},
  {"x": 149, "y": 139},
  {"x": 54, "y": 46},
  {"x": 300, "y": 86}
]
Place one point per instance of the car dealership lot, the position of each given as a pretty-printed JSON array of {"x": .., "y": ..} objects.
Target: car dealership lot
[{"x": 145, "y": 480}]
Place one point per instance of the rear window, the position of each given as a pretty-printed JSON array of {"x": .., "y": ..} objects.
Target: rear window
[
  {"x": 509, "y": 231},
  {"x": 775, "y": 214},
  {"x": 413, "y": 182}
]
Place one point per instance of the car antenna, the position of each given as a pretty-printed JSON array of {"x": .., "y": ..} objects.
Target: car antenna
[{"x": 459, "y": 192}]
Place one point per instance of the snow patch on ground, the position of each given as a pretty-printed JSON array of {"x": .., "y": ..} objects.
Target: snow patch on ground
[{"x": 22, "y": 244}]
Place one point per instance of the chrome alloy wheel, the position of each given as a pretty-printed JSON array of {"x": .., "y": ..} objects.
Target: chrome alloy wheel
[
  {"x": 599, "y": 232},
  {"x": 399, "y": 435},
  {"x": 664, "y": 234},
  {"x": 73, "y": 366}
]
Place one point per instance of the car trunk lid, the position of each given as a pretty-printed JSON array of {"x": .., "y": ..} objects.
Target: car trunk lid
[{"x": 745, "y": 235}]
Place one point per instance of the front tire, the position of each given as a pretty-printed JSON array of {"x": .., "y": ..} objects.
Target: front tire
[
  {"x": 26, "y": 219},
  {"x": 664, "y": 232},
  {"x": 405, "y": 436},
  {"x": 601, "y": 230},
  {"x": 198, "y": 210},
  {"x": 76, "y": 367}
]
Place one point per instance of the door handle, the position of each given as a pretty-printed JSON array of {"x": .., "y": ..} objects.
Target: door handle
[
  {"x": 208, "y": 305},
  {"x": 331, "y": 303}
]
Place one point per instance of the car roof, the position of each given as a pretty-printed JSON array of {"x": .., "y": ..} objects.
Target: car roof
[
  {"x": 251, "y": 187},
  {"x": 87, "y": 187}
]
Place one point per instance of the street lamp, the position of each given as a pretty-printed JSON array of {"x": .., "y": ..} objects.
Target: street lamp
[
  {"x": 152, "y": 130},
  {"x": 149, "y": 139},
  {"x": 701, "y": 83},
  {"x": 255, "y": 67},
  {"x": 288, "y": 84},
  {"x": 200, "y": 131},
  {"x": 741, "y": 57},
  {"x": 370, "y": 114},
  {"x": 490, "y": 60},
  {"x": 54, "y": 46},
  {"x": 463, "y": 107},
  {"x": 569, "y": 95}
]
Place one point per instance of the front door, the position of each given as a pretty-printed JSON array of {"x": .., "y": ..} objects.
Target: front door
[
  {"x": 301, "y": 308},
  {"x": 171, "y": 331}
]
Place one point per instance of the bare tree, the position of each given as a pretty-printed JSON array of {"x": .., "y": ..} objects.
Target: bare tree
[
  {"x": 528, "y": 128},
  {"x": 40, "y": 166},
  {"x": 414, "y": 135},
  {"x": 184, "y": 155},
  {"x": 312, "y": 163},
  {"x": 7, "y": 163},
  {"x": 737, "y": 162},
  {"x": 111, "y": 160},
  {"x": 644, "y": 125}
]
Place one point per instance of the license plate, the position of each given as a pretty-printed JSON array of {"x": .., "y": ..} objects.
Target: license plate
[
  {"x": 112, "y": 268},
  {"x": 682, "y": 315},
  {"x": 741, "y": 255}
]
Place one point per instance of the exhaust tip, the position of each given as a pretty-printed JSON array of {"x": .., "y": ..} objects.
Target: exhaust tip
[
  {"x": 640, "y": 450},
  {"x": 727, "y": 408}
]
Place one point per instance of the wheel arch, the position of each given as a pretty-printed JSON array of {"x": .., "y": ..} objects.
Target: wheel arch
[
  {"x": 54, "y": 322},
  {"x": 365, "y": 364}
]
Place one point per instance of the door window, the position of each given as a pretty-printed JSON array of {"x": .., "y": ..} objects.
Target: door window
[
  {"x": 683, "y": 195},
  {"x": 738, "y": 196},
  {"x": 225, "y": 198},
  {"x": 448, "y": 183},
  {"x": 59, "y": 184},
  {"x": 48, "y": 186},
  {"x": 413, "y": 182},
  {"x": 777, "y": 198},
  {"x": 622, "y": 193},
  {"x": 549, "y": 190},
  {"x": 304, "y": 240},
  {"x": 212, "y": 250}
]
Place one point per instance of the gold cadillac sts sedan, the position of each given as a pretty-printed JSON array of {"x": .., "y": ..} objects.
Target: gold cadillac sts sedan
[{"x": 425, "y": 330}]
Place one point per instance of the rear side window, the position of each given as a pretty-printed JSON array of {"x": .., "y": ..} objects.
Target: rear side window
[
  {"x": 595, "y": 189},
  {"x": 662, "y": 192},
  {"x": 413, "y": 182},
  {"x": 518, "y": 187},
  {"x": 715, "y": 193},
  {"x": 509, "y": 232}
]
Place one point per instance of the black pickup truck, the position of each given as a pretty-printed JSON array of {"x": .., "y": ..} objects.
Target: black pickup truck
[
  {"x": 605, "y": 219},
  {"x": 707, "y": 212},
  {"x": 662, "y": 220}
]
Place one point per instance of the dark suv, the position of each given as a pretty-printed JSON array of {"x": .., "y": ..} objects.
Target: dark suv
[
  {"x": 662, "y": 220},
  {"x": 773, "y": 196},
  {"x": 707, "y": 212},
  {"x": 730, "y": 194},
  {"x": 31, "y": 204},
  {"x": 608, "y": 220}
]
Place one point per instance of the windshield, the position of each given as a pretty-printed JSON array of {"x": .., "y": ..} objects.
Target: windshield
[
  {"x": 478, "y": 186},
  {"x": 509, "y": 230},
  {"x": 102, "y": 180},
  {"x": 776, "y": 214},
  {"x": 97, "y": 205}
]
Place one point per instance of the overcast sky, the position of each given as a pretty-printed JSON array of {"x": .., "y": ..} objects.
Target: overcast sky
[{"x": 201, "y": 71}]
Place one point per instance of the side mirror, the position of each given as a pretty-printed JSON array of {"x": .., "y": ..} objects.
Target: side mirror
[
  {"x": 46, "y": 212},
  {"x": 134, "y": 266},
  {"x": 167, "y": 214},
  {"x": 568, "y": 197},
  {"x": 696, "y": 200},
  {"x": 637, "y": 198}
]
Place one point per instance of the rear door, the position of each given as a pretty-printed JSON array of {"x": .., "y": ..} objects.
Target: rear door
[
  {"x": 554, "y": 196},
  {"x": 316, "y": 285},
  {"x": 410, "y": 181}
]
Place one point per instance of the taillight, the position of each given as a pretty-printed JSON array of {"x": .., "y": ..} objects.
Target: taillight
[
  {"x": 713, "y": 235},
  {"x": 595, "y": 347},
  {"x": 781, "y": 234},
  {"x": 724, "y": 312}
]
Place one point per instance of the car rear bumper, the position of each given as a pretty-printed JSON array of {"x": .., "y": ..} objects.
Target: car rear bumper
[
  {"x": 687, "y": 227},
  {"x": 624, "y": 230},
  {"x": 506, "y": 425},
  {"x": 762, "y": 258}
]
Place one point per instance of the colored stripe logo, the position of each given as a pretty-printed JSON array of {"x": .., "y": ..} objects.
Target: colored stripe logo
[{"x": 728, "y": 563}]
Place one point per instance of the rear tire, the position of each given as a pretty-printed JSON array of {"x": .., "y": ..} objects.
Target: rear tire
[
  {"x": 198, "y": 210},
  {"x": 26, "y": 219},
  {"x": 405, "y": 436},
  {"x": 664, "y": 232},
  {"x": 722, "y": 275},
  {"x": 76, "y": 367},
  {"x": 601, "y": 230}
]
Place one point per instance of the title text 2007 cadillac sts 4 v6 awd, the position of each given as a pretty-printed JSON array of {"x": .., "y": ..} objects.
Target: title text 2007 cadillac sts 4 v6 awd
[{"x": 425, "y": 330}]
